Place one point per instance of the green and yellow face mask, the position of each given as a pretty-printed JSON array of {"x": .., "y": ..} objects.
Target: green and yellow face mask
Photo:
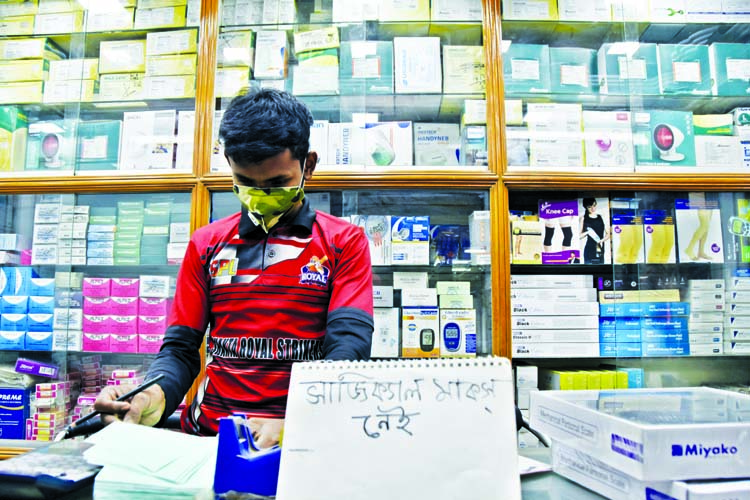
[{"x": 266, "y": 207}]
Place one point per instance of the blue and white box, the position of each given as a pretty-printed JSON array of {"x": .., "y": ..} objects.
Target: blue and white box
[
  {"x": 14, "y": 304},
  {"x": 410, "y": 240},
  {"x": 38, "y": 341},
  {"x": 42, "y": 287},
  {"x": 41, "y": 305},
  {"x": 12, "y": 340}
]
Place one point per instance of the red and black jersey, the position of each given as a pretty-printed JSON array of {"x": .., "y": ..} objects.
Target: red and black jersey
[{"x": 300, "y": 293}]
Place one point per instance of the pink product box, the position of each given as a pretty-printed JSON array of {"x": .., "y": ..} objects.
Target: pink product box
[
  {"x": 96, "y": 342},
  {"x": 124, "y": 306},
  {"x": 149, "y": 344},
  {"x": 153, "y": 306},
  {"x": 125, "y": 287},
  {"x": 96, "y": 324},
  {"x": 123, "y": 325},
  {"x": 97, "y": 287},
  {"x": 97, "y": 306},
  {"x": 123, "y": 343},
  {"x": 152, "y": 325},
  {"x": 50, "y": 386},
  {"x": 51, "y": 393},
  {"x": 124, "y": 373},
  {"x": 125, "y": 381},
  {"x": 84, "y": 400}
]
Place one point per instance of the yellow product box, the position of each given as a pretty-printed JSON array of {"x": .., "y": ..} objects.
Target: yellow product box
[
  {"x": 17, "y": 25},
  {"x": 165, "y": 17},
  {"x": 57, "y": 91},
  {"x": 27, "y": 8},
  {"x": 122, "y": 56},
  {"x": 74, "y": 69},
  {"x": 121, "y": 87},
  {"x": 527, "y": 10},
  {"x": 230, "y": 81},
  {"x": 172, "y": 42},
  {"x": 57, "y": 6},
  {"x": 235, "y": 48},
  {"x": 173, "y": 64},
  {"x": 169, "y": 87},
  {"x": 14, "y": 129},
  {"x": 21, "y": 92},
  {"x": 110, "y": 20},
  {"x": 463, "y": 69},
  {"x": 61, "y": 22},
  {"x": 24, "y": 70},
  {"x": 325, "y": 38},
  {"x": 593, "y": 380},
  {"x": 398, "y": 10},
  {"x": 30, "y": 48},
  {"x": 155, "y": 4}
]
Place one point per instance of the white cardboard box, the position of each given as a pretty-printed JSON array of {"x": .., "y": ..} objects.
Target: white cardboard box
[
  {"x": 385, "y": 337},
  {"x": 458, "y": 333},
  {"x": 628, "y": 435},
  {"x": 417, "y": 65}
]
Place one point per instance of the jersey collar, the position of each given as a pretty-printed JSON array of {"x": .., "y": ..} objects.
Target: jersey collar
[{"x": 304, "y": 219}]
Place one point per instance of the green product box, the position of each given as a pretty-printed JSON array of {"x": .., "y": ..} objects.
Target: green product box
[
  {"x": 730, "y": 68},
  {"x": 156, "y": 219},
  {"x": 128, "y": 261},
  {"x": 128, "y": 235},
  {"x": 103, "y": 219},
  {"x": 127, "y": 252},
  {"x": 526, "y": 69},
  {"x": 366, "y": 67},
  {"x": 664, "y": 138},
  {"x": 51, "y": 145},
  {"x": 684, "y": 69},
  {"x": 102, "y": 210},
  {"x": 98, "y": 145},
  {"x": 713, "y": 124},
  {"x": 153, "y": 260},
  {"x": 14, "y": 129},
  {"x": 628, "y": 68},
  {"x": 179, "y": 217},
  {"x": 573, "y": 70},
  {"x": 159, "y": 206},
  {"x": 126, "y": 244}
]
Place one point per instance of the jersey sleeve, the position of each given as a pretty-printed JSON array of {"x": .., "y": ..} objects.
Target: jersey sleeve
[{"x": 350, "y": 324}]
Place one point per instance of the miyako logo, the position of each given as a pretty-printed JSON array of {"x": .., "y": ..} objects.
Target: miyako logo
[{"x": 694, "y": 450}]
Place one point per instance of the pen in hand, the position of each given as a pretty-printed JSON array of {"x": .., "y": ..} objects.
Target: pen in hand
[{"x": 124, "y": 397}]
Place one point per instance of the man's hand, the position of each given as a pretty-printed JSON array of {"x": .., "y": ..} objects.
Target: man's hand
[
  {"x": 146, "y": 407},
  {"x": 266, "y": 431}
]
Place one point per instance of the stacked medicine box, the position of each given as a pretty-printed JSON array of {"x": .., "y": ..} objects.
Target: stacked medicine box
[
  {"x": 554, "y": 316},
  {"x": 737, "y": 316},
  {"x": 49, "y": 407},
  {"x": 706, "y": 320},
  {"x": 26, "y": 310}
]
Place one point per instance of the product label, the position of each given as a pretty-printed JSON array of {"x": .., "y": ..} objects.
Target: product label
[
  {"x": 688, "y": 72},
  {"x": 366, "y": 67},
  {"x": 94, "y": 148},
  {"x": 530, "y": 9},
  {"x": 738, "y": 69},
  {"x": 631, "y": 69},
  {"x": 573, "y": 74},
  {"x": 524, "y": 69}
]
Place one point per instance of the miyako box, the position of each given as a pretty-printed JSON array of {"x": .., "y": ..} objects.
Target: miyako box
[{"x": 651, "y": 434}]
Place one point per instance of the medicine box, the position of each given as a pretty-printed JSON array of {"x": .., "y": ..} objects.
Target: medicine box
[
  {"x": 420, "y": 332},
  {"x": 366, "y": 67},
  {"x": 385, "y": 336},
  {"x": 417, "y": 65},
  {"x": 650, "y": 434},
  {"x": 463, "y": 69},
  {"x": 526, "y": 68},
  {"x": 271, "y": 55},
  {"x": 573, "y": 70},
  {"x": 458, "y": 333},
  {"x": 436, "y": 144},
  {"x": 122, "y": 56},
  {"x": 113, "y": 19},
  {"x": 172, "y": 42},
  {"x": 684, "y": 69},
  {"x": 164, "y": 17},
  {"x": 540, "y": 10},
  {"x": 627, "y": 68},
  {"x": 608, "y": 138},
  {"x": 730, "y": 68},
  {"x": 456, "y": 10}
]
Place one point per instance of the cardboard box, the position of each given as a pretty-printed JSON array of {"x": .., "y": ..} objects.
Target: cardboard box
[
  {"x": 417, "y": 65},
  {"x": 456, "y": 10},
  {"x": 148, "y": 140},
  {"x": 21, "y": 92},
  {"x": 526, "y": 69},
  {"x": 366, "y": 67},
  {"x": 684, "y": 69},
  {"x": 169, "y": 87},
  {"x": 722, "y": 153},
  {"x": 121, "y": 87},
  {"x": 60, "y": 22},
  {"x": 698, "y": 214},
  {"x": 172, "y": 42},
  {"x": 98, "y": 145},
  {"x": 458, "y": 333},
  {"x": 385, "y": 337},
  {"x": 556, "y": 134},
  {"x": 541, "y": 10},
  {"x": 730, "y": 68},
  {"x": 122, "y": 56},
  {"x": 316, "y": 73},
  {"x": 270, "y": 55},
  {"x": 30, "y": 48},
  {"x": 573, "y": 70},
  {"x": 13, "y": 138},
  {"x": 463, "y": 69},
  {"x": 235, "y": 48},
  {"x": 664, "y": 138},
  {"x": 627, "y": 68},
  {"x": 608, "y": 138},
  {"x": 74, "y": 69},
  {"x": 17, "y": 25},
  {"x": 171, "y": 64},
  {"x": 164, "y": 17},
  {"x": 420, "y": 332},
  {"x": 24, "y": 70},
  {"x": 436, "y": 144},
  {"x": 654, "y": 447}
]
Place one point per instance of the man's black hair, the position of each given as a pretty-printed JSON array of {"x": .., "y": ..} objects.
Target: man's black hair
[{"x": 261, "y": 124}]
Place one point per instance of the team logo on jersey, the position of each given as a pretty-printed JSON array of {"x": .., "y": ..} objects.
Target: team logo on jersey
[
  {"x": 223, "y": 267},
  {"x": 315, "y": 273}
]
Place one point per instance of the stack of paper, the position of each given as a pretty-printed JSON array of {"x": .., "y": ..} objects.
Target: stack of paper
[{"x": 143, "y": 462}]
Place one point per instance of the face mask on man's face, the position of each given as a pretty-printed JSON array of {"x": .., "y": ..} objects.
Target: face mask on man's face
[{"x": 266, "y": 207}]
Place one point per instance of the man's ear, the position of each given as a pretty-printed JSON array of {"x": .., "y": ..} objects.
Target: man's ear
[{"x": 311, "y": 161}]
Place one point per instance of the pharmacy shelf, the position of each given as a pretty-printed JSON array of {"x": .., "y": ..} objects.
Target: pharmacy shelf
[
  {"x": 592, "y": 35},
  {"x": 100, "y": 109},
  {"x": 588, "y": 180},
  {"x": 698, "y": 104}
]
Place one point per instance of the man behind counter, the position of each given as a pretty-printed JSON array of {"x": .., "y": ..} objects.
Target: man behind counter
[{"x": 277, "y": 283}]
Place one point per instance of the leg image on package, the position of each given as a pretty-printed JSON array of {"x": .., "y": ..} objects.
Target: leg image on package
[
  {"x": 696, "y": 249},
  {"x": 549, "y": 232},
  {"x": 662, "y": 243},
  {"x": 631, "y": 243}
]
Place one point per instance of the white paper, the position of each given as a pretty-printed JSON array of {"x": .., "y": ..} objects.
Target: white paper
[
  {"x": 432, "y": 429},
  {"x": 738, "y": 69},
  {"x": 631, "y": 69},
  {"x": 524, "y": 69},
  {"x": 574, "y": 74}
]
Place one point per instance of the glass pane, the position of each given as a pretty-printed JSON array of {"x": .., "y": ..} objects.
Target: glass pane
[
  {"x": 399, "y": 87},
  {"x": 97, "y": 87},
  {"x": 640, "y": 87},
  {"x": 86, "y": 283},
  {"x": 446, "y": 250}
]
